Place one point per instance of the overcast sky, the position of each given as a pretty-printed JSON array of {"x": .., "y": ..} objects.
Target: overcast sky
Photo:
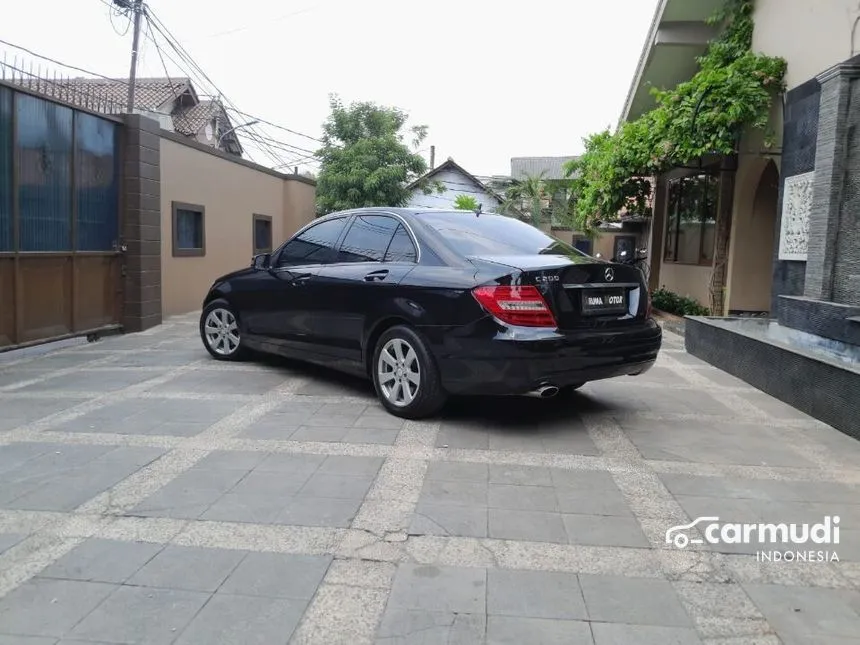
[{"x": 491, "y": 79}]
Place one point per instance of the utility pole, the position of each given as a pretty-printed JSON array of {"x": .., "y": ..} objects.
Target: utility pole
[
  {"x": 137, "y": 9},
  {"x": 432, "y": 157}
]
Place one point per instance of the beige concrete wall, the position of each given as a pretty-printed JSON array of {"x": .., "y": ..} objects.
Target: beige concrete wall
[
  {"x": 687, "y": 280},
  {"x": 232, "y": 194},
  {"x": 812, "y": 35}
]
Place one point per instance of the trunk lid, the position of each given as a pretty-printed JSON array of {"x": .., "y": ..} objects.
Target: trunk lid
[{"x": 581, "y": 293}]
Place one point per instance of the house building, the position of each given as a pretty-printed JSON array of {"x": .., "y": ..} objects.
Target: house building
[
  {"x": 173, "y": 102},
  {"x": 748, "y": 192},
  {"x": 112, "y": 221},
  {"x": 454, "y": 181}
]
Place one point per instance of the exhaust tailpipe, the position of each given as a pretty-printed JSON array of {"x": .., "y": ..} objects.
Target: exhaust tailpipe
[{"x": 544, "y": 392}]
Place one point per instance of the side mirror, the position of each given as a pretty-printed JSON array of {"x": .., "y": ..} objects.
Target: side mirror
[{"x": 261, "y": 262}]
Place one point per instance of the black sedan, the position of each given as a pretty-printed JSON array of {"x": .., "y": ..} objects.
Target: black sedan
[{"x": 428, "y": 303}]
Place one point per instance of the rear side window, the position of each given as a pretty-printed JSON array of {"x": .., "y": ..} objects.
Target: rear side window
[
  {"x": 495, "y": 235},
  {"x": 401, "y": 248},
  {"x": 367, "y": 239},
  {"x": 315, "y": 245}
]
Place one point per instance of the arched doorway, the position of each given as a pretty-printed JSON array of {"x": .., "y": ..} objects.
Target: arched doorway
[{"x": 751, "y": 288}]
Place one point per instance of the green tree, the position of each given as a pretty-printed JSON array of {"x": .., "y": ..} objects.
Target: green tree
[
  {"x": 528, "y": 195},
  {"x": 466, "y": 203},
  {"x": 365, "y": 160}
]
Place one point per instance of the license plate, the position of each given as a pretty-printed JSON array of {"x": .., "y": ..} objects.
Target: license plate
[{"x": 604, "y": 302}]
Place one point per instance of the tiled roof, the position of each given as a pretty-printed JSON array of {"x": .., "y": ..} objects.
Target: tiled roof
[
  {"x": 149, "y": 93},
  {"x": 192, "y": 119},
  {"x": 552, "y": 167}
]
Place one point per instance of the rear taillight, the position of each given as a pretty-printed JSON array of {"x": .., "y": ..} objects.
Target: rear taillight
[{"x": 522, "y": 306}]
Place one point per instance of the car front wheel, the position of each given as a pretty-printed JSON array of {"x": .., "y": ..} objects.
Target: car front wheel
[
  {"x": 219, "y": 330},
  {"x": 405, "y": 375}
]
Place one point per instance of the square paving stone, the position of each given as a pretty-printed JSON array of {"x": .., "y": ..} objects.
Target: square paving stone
[
  {"x": 336, "y": 486},
  {"x": 522, "y": 498},
  {"x": 534, "y": 594},
  {"x": 232, "y": 460},
  {"x": 508, "y": 630},
  {"x": 348, "y": 465},
  {"x": 152, "y": 417},
  {"x": 8, "y": 540},
  {"x": 604, "y": 530},
  {"x": 223, "y": 382},
  {"x": 590, "y": 502},
  {"x": 465, "y": 493},
  {"x": 271, "y": 484},
  {"x": 419, "y": 627},
  {"x": 449, "y": 519},
  {"x": 43, "y": 607},
  {"x": 19, "y": 412},
  {"x": 316, "y": 511},
  {"x": 244, "y": 620},
  {"x": 800, "y": 612},
  {"x": 618, "y": 634},
  {"x": 97, "y": 560},
  {"x": 286, "y": 463},
  {"x": 6, "y": 639},
  {"x": 141, "y": 615},
  {"x": 100, "y": 381},
  {"x": 530, "y": 526},
  {"x": 443, "y": 589},
  {"x": 188, "y": 568},
  {"x": 640, "y": 601},
  {"x": 276, "y": 575},
  {"x": 250, "y": 509},
  {"x": 520, "y": 475},
  {"x": 452, "y": 471}
]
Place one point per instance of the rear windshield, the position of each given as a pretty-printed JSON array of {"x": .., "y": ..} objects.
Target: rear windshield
[{"x": 472, "y": 235}]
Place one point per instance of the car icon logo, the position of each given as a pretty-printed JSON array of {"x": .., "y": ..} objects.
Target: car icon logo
[
  {"x": 609, "y": 274},
  {"x": 676, "y": 535}
]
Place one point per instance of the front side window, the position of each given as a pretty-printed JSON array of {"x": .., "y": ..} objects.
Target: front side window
[
  {"x": 189, "y": 230},
  {"x": 316, "y": 245},
  {"x": 368, "y": 239}
]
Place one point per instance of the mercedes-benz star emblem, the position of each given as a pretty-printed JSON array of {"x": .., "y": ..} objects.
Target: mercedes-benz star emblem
[{"x": 609, "y": 274}]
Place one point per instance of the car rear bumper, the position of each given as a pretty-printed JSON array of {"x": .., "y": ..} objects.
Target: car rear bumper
[{"x": 517, "y": 361}]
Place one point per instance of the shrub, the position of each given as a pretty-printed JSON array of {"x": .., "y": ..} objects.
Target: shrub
[{"x": 672, "y": 303}]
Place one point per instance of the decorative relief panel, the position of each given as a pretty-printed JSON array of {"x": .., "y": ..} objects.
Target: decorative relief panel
[{"x": 796, "y": 208}]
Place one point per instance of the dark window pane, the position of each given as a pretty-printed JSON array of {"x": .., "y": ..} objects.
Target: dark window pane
[
  {"x": 672, "y": 204},
  {"x": 45, "y": 178},
  {"x": 96, "y": 180},
  {"x": 367, "y": 239},
  {"x": 6, "y": 241},
  {"x": 315, "y": 246},
  {"x": 496, "y": 235},
  {"x": 262, "y": 235},
  {"x": 401, "y": 248},
  {"x": 189, "y": 229}
]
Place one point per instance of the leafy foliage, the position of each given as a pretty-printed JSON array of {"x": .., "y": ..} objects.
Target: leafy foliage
[
  {"x": 466, "y": 203},
  {"x": 527, "y": 195},
  {"x": 732, "y": 90},
  {"x": 364, "y": 158},
  {"x": 672, "y": 303}
]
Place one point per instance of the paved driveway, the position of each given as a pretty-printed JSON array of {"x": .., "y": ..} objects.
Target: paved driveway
[{"x": 151, "y": 495}]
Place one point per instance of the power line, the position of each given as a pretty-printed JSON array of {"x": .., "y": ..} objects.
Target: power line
[
  {"x": 183, "y": 54},
  {"x": 275, "y": 125}
]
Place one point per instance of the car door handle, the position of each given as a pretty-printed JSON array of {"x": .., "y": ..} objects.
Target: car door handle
[
  {"x": 376, "y": 275},
  {"x": 302, "y": 279}
]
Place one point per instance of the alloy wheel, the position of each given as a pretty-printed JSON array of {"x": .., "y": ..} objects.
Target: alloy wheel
[
  {"x": 222, "y": 332},
  {"x": 399, "y": 372}
]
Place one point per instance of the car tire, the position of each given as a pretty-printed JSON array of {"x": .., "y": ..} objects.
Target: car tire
[
  {"x": 219, "y": 331},
  {"x": 405, "y": 375}
]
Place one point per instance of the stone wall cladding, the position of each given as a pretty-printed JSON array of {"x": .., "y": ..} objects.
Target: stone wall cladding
[
  {"x": 800, "y": 136},
  {"x": 141, "y": 203}
]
